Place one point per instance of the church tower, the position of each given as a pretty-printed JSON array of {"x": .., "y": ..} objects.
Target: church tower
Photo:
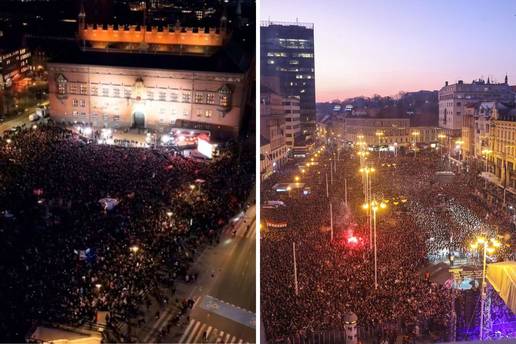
[
  {"x": 81, "y": 19},
  {"x": 506, "y": 79}
]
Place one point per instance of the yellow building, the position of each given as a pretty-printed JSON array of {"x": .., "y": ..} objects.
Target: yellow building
[{"x": 503, "y": 146}]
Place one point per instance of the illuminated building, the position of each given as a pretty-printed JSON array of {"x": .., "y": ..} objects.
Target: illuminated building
[
  {"x": 454, "y": 98},
  {"x": 272, "y": 129},
  {"x": 14, "y": 64},
  {"x": 287, "y": 52},
  {"x": 157, "y": 79},
  {"x": 502, "y": 141}
]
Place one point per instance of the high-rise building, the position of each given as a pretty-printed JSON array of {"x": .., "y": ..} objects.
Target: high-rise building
[
  {"x": 287, "y": 52},
  {"x": 454, "y": 98}
]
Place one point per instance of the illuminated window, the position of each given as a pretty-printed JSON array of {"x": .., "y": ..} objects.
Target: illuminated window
[
  {"x": 94, "y": 90},
  {"x": 83, "y": 103},
  {"x": 75, "y": 103},
  {"x": 210, "y": 98},
  {"x": 116, "y": 92},
  {"x": 199, "y": 98},
  {"x": 61, "y": 84},
  {"x": 224, "y": 100},
  {"x": 207, "y": 113},
  {"x": 270, "y": 61},
  {"x": 199, "y": 113},
  {"x": 173, "y": 97},
  {"x": 84, "y": 89},
  {"x": 186, "y": 97},
  {"x": 73, "y": 88},
  {"x": 127, "y": 93}
]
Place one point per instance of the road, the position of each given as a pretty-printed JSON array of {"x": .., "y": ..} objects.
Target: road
[
  {"x": 20, "y": 119},
  {"x": 224, "y": 292}
]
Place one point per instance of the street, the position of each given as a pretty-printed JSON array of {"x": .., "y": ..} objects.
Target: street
[{"x": 224, "y": 292}]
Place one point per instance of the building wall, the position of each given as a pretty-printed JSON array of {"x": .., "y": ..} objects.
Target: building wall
[
  {"x": 395, "y": 130},
  {"x": 503, "y": 145},
  {"x": 272, "y": 127},
  {"x": 14, "y": 65},
  {"x": 109, "y": 97},
  {"x": 287, "y": 51},
  {"x": 291, "y": 109},
  {"x": 454, "y": 98}
]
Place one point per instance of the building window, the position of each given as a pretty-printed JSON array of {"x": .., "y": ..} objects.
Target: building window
[
  {"x": 199, "y": 98},
  {"x": 186, "y": 113},
  {"x": 210, "y": 98},
  {"x": 75, "y": 103},
  {"x": 116, "y": 118},
  {"x": 199, "y": 113},
  {"x": 105, "y": 117},
  {"x": 150, "y": 95},
  {"x": 61, "y": 85},
  {"x": 105, "y": 91},
  {"x": 207, "y": 113},
  {"x": 94, "y": 90},
  {"x": 73, "y": 88},
  {"x": 186, "y": 97},
  {"x": 116, "y": 92},
  {"x": 84, "y": 89},
  {"x": 162, "y": 96},
  {"x": 173, "y": 97},
  {"x": 224, "y": 100},
  {"x": 127, "y": 93},
  {"x": 83, "y": 103}
]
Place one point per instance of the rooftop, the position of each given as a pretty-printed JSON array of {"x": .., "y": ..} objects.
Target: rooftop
[{"x": 219, "y": 62}]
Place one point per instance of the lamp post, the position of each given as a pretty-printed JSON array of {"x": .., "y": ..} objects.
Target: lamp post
[
  {"x": 487, "y": 247},
  {"x": 366, "y": 172},
  {"x": 375, "y": 206}
]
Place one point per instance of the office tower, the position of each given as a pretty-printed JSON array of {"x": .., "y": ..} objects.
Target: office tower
[{"x": 287, "y": 52}]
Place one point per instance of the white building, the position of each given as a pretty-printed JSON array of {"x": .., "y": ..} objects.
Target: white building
[
  {"x": 454, "y": 98},
  {"x": 292, "y": 112}
]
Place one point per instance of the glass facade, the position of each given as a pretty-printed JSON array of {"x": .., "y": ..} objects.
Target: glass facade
[{"x": 287, "y": 52}]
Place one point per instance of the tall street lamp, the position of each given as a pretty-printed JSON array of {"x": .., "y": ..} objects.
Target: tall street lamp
[
  {"x": 488, "y": 246},
  {"x": 375, "y": 206},
  {"x": 366, "y": 173}
]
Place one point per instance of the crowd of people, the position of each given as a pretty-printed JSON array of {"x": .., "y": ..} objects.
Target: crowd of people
[
  {"x": 336, "y": 277},
  {"x": 66, "y": 255}
]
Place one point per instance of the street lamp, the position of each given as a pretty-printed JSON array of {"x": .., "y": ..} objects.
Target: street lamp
[
  {"x": 134, "y": 249},
  {"x": 296, "y": 179},
  {"x": 375, "y": 206},
  {"x": 366, "y": 173},
  {"x": 488, "y": 246}
]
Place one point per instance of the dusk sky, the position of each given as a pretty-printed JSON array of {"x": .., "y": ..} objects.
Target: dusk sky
[{"x": 383, "y": 47}]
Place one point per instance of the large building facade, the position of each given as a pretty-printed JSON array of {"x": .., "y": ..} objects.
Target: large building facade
[
  {"x": 287, "y": 51},
  {"x": 291, "y": 109},
  {"x": 502, "y": 137},
  {"x": 120, "y": 97},
  {"x": 453, "y": 100},
  {"x": 14, "y": 65}
]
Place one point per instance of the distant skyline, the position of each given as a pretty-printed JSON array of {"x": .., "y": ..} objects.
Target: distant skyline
[{"x": 383, "y": 47}]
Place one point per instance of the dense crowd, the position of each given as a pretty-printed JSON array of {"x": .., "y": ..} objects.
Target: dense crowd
[
  {"x": 66, "y": 255},
  {"x": 335, "y": 278}
]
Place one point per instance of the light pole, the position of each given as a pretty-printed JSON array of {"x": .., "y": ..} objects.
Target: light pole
[
  {"x": 366, "y": 172},
  {"x": 375, "y": 206},
  {"x": 487, "y": 247}
]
